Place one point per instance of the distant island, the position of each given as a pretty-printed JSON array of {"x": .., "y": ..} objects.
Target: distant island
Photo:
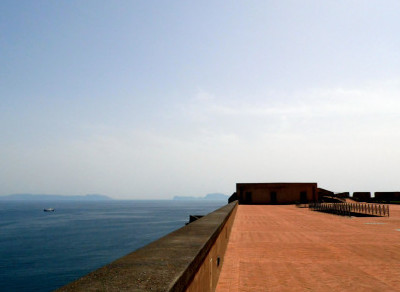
[
  {"x": 40, "y": 197},
  {"x": 214, "y": 196}
]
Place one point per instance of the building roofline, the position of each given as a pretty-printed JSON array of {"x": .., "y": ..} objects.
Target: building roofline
[{"x": 272, "y": 183}]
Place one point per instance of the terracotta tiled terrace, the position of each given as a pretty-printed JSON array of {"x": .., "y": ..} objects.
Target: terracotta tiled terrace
[{"x": 284, "y": 248}]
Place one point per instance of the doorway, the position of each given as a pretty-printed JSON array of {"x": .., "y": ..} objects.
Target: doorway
[
  {"x": 248, "y": 197},
  {"x": 303, "y": 197},
  {"x": 274, "y": 199}
]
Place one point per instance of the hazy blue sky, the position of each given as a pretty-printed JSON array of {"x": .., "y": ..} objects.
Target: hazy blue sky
[{"x": 150, "y": 99}]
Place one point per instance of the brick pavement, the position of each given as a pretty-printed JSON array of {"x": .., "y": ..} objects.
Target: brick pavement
[{"x": 284, "y": 248}]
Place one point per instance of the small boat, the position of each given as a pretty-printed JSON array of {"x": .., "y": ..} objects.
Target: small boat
[{"x": 48, "y": 209}]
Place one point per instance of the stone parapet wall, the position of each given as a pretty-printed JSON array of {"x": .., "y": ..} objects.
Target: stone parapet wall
[
  {"x": 189, "y": 258},
  {"x": 206, "y": 278}
]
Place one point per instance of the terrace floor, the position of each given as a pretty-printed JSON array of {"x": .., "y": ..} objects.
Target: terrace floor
[{"x": 285, "y": 248}]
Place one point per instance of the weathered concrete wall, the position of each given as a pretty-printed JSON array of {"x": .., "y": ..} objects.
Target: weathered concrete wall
[
  {"x": 206, "y": 278},
  {"x": 172, "y": 263},
  {"x": 285, "y": 193}
]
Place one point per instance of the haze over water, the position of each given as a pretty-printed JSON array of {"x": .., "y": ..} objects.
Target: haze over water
[{"x": 146, "y": 99}]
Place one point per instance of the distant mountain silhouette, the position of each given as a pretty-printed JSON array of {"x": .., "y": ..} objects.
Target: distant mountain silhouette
[
  {"x": 213, "y": 196},
  {"x": 38, "y": 197},
  {"x": 216, "y": 196}
]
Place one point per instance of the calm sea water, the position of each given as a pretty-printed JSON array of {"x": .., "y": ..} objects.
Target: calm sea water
[{"x": 41, "y": 251}]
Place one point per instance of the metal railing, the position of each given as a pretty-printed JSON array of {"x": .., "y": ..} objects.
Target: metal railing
[{"x": 351, "y": 209}]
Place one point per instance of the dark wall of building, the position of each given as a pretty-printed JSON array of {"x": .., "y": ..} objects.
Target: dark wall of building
[
  {"x": 387, "y": 196},
  {"x": 324, "y": 192},
  {"x": 343, "y": 195},
  {"x": 362, "y": 196},
  {"x": 232, "y": 198},
  {"x": 276, "y": 193}
]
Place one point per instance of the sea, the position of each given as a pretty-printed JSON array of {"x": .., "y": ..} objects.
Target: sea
[{"x": 42, "y": 251}]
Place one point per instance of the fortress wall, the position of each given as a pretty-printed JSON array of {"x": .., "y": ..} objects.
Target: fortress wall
[
  {"x": 285, "y": 193},
  {"x": 387, "y": 196},
  {"x": 362, "y": 196},
  {"x": 184, "y": 259},
  {"x": 206, "y": 278},
  {"x": 343, "y": 195}
]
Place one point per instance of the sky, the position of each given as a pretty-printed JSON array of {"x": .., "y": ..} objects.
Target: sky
[{"x": 151, "y": 99}]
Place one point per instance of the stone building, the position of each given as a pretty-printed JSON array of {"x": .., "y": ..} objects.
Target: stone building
[
  {"x": 276, "y": 193},
  {"x": 362, "y": 196},
  {"x": 387, "y": 196}
]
